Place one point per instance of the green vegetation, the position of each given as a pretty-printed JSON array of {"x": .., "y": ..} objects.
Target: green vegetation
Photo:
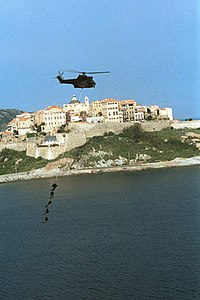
[
  {"x": 31, "y": 134},
  {"x": 12, "y": 161}
]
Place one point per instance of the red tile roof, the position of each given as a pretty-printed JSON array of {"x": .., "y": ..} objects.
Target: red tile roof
[
  {"x": 127, "y": 101},
  {"x": 53, "y": 107},
  {"x": 109, "y": 100}
]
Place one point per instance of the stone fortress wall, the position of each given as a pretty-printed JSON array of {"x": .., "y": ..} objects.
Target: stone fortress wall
[
  {"x": 72, "y": 140},
  {"x": 18, "y": 146},
  {"x": 186, "y": 124}
]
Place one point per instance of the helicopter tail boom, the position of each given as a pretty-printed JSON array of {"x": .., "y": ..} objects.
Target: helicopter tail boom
[{"x": 62, "y": 80}]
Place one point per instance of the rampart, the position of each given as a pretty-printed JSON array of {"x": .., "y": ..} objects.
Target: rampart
[
  {"x": 186, "y": 124},
  {"x": 74, "y": 140},
  {"x": 101, "y": 128},
  {"x": 17, "y": 146}
]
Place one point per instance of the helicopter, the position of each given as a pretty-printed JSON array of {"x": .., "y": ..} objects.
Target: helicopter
[{"x": 82, "y": 81}]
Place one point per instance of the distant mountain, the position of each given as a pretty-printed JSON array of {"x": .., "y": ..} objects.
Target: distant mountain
[{"x": 6, "y": 115}]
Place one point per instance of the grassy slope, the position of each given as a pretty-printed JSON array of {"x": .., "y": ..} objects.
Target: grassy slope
[{"x": 9, "y": 158}]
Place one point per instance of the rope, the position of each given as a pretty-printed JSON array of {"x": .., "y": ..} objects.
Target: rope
[
  {"x": 53, "y": 187},
  {"x": 51, "y": 195},
  {"x": 80, "y": 96}
]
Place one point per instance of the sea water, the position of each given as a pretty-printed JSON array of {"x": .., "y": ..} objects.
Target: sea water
[{"x": 131, "y": 235}]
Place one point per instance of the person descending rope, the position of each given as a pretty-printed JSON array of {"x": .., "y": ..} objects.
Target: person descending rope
[
  {"x": 51, "y": 196},
  {"x": 49, "y": 203},
  {"x": 46, "y": 212},
  {"x": 45, "y": 220},
  {"x": 54, "y": 186}
]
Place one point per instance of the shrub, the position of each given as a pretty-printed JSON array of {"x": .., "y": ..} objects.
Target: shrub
[
  {"x": 110, "y": 133},
  {"x": 134, "y": 132}
]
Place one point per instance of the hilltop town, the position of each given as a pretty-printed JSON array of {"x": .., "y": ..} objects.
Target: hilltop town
[
  {"x": 54, "y": 119},
  {"x": 63, "y": 127},
  {"x": 100, "y": 134}
]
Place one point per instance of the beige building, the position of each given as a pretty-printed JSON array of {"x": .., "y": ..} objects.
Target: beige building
[
  {"x": 12, "y": 126},
  {"x": 110, "y": 110},
  {"x": 38, "y": 117},
  {"x": 127, "y": 108},
  {"x": 25, "y": 125},
  {"x": 6, "y": 136},
  {"x": 22, "y": 124},
  {"x": 96, "y": 108},
  {"x": 151, "y": 112}
]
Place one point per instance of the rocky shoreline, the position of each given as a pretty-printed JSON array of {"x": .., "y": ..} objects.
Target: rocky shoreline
[{"x": 58, "y": 172}]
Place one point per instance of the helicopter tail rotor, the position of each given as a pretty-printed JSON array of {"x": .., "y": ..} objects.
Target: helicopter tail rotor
[{"x": 60, "y": 73}]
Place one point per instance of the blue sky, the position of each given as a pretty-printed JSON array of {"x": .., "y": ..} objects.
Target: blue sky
[{"x": 151, "y": 48}]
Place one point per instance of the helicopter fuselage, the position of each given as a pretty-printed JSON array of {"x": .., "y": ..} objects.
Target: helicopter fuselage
[{"x": 82, "y": 81}]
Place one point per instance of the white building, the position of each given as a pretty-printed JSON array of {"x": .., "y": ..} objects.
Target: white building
[
  {"x": 166, "y": 113},
  {"x": 139, "y": 115},
  {"x": 53, "y": 117},
  {"x": 95, "y": 119},
  {"x": 76, "y": 107}
]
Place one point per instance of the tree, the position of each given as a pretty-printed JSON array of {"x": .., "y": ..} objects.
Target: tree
[
  {"x": 149, "y": 118},
  {"x": 134, "y": 132},
  {"x": 61, "y": 129}
]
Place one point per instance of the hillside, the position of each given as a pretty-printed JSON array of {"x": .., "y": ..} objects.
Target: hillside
[
  {"x": 6, "y": 115},
  {"x": 131, "y": 147},
  {"x": 134, "y": 145}
]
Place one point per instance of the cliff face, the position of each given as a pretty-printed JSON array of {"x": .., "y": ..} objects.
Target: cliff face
[{"x": 6, "y": 115}]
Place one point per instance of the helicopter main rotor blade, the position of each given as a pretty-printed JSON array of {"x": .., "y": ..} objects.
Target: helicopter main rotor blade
[
  {"x": 79, "y": 72},
  {"x": 72, "y": 71},
  {"x": 97, "y": 72}
]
